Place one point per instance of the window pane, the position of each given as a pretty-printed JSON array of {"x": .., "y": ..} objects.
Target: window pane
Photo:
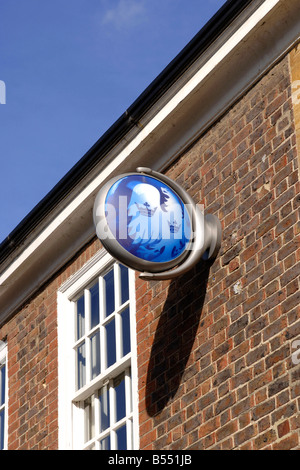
[
  {"x": 119, "y": 386},
  {"x": 105, "y": 443},
  {"x": 104, "y": 409},
  {"x": 89, "y": 418},
  {"x": 81, "y": 366},
  {"x": 109, "y": 293},
  {"x": 2, "y": 416},
  {"x": 124, "y": 284},
  {"x": 2, "y": 385},
  {"x": 125, "y": 331},
  {"x": 80, "y": 317},
  {"x": 121, "y": 438},
  {"x": 95, "y": 355},
  {"x": 110, "y": 343},
  {"x": 94, "y": 305}
]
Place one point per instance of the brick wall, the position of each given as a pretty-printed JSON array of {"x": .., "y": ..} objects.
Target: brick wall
[
  {"x": 215, "y": 346},
  {"x": 31, "y": 337}
]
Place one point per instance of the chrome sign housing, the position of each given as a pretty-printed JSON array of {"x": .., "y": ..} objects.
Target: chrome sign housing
[{"x": 149, "y": 223}]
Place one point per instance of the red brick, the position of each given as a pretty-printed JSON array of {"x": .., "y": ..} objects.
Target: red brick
[
  {"x": 288, "y": 443},
  {"x": 227, "y": 430},
  {"x": 209, "y": 427},
  {"x": 265, "y": 439},
  {"x": 283, "y": 428}
]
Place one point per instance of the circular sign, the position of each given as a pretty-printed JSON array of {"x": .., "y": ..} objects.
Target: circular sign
[
  {"x": 143, "y": 222},
  {"x": 150, "y": 223}
]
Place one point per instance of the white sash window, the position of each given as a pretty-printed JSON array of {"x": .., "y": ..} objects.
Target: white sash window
[{"x": 99, "y": 313}]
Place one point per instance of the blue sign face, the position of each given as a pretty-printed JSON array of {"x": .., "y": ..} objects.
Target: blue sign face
[{"x": 147, "y": 218}]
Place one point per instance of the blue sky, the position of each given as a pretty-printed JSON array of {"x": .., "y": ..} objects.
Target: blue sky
[{"x": 71, "y": 68}]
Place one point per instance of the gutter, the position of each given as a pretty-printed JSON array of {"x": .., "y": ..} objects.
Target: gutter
[{"x": 127, "y": 121}]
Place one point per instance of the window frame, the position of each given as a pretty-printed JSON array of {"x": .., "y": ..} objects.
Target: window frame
[
  {"x": 71, "y": 401},
  {"x": 3, "y": 362}
]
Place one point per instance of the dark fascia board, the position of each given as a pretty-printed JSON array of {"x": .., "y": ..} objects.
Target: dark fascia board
[{"x": 191, "y": 52}]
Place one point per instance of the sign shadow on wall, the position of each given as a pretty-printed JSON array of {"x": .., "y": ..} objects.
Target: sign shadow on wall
[{"x": 175, "y": 337}]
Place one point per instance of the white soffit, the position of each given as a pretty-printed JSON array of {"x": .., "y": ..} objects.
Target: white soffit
[{"x": 231, "y": 65}]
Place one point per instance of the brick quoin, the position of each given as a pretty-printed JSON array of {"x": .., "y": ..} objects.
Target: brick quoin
[{"x": 216, "y": 370}]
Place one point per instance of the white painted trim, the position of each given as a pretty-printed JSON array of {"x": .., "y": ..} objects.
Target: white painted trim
[
  {"x": 79, "y": 277},
  {"x": 134, "y": 359},
  {"x": 3, "y": 346}
]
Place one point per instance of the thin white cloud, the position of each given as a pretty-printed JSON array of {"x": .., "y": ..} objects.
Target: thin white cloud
[{"x": 126, "y": 13}]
